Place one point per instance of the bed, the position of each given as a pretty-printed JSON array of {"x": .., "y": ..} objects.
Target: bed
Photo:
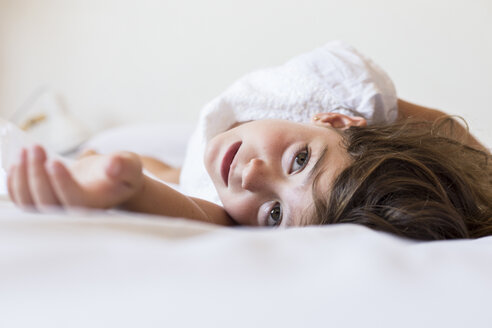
[{"x": 114, "y": 268}]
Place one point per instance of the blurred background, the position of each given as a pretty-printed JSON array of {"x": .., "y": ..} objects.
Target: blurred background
[{"x": 112, "y": 62}]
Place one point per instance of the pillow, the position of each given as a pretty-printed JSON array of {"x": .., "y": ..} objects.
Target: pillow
[{"x": 164, "y": 141}]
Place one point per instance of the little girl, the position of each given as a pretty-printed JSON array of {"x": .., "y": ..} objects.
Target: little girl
[{"x": 275, "y": 146}]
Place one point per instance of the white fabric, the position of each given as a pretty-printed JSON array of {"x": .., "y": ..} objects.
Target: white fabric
[
  {"x": 128, "y": 270},
  {"x": 120, "y": 269},
  {"x": 163, "y": 141},
  {"x": 12, "y": 139},
  {"x": 333, "y": 78}
]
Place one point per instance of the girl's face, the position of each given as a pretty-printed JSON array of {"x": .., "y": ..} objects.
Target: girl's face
[{"x": 264, "y": 170}]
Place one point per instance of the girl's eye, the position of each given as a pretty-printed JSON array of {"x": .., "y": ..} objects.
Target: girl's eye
[
  {"x": 275, "y": 216},
  {"x": 300, "y": 160}
]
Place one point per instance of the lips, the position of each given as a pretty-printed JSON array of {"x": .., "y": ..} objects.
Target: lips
[{"x": 225, "y": 166}]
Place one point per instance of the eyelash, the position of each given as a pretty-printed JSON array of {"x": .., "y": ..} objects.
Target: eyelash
[
  {"x": 277, "y": 223},
  {"x": 303, "y": 149}
]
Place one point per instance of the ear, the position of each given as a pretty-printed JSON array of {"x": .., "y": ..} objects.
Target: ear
[{"x": 337, "y": 120}]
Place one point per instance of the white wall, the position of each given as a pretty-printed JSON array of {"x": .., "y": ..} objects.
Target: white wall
[{"x": 119, "y": 61}]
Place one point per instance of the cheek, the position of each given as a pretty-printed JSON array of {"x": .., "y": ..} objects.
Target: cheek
[
  {"x": 212, "y": 152},
  {"x": 243, "y": 209}
]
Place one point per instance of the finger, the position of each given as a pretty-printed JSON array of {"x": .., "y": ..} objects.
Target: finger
[
  {"x": 102, "y": 194},
  {"x": 87, "y": 153},
  {"x": 125, "y": 167},
  {"x": 10, "y": 183},
  {"x": 20, "y": 185},
  {"x": 123, "y": 173},
  {"x": 67, "y": 190},
  {"x": 39, "y": 182}
]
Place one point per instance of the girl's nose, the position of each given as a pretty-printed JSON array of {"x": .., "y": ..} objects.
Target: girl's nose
[{"x": 255, "y": 175}]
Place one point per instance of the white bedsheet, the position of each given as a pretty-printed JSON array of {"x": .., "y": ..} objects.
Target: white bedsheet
[{"x": 115, "y": 269}]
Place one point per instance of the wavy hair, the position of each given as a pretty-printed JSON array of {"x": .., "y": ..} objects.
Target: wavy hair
[{"x": 413, "y": 180}]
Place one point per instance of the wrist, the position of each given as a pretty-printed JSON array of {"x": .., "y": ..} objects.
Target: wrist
[{"x": 135, "y": 200}]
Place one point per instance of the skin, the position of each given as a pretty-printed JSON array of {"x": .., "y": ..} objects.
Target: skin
[
  {"x": 101, "y": 181},
  {"x": 273, "y": 168},
  {"x": 105, "y": 181},
  {"x": 263, "y": 176},
  {"x": 95, "y": 181}
]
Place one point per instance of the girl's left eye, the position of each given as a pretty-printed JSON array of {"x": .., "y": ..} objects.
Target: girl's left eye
[{"x": 300, "y": 160}]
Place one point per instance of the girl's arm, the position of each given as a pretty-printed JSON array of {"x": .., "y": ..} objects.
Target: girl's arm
[
  {"x": 151, "y": 198},
  {"x": 158, "y": 198},
  {"x": 408, "y": 110},
  {"x": 102, "y": 181},
  {"x": 161, "y": 170}
]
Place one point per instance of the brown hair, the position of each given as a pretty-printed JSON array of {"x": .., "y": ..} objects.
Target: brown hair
[{"x": 412, "y": 180}]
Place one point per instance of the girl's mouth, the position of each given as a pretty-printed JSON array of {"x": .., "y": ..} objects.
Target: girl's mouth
[{"x": 225, "y": 166}]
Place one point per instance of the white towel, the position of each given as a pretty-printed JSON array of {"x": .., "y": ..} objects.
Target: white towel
[{"x": 333, "y": 78}]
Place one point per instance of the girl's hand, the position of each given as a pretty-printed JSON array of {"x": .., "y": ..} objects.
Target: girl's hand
[{"x": 98, "y": 181}]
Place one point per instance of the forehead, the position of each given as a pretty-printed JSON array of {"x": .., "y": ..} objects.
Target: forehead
[
  {"x": 283, "y": 132},
  {"x": 297, "y": 203}
]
